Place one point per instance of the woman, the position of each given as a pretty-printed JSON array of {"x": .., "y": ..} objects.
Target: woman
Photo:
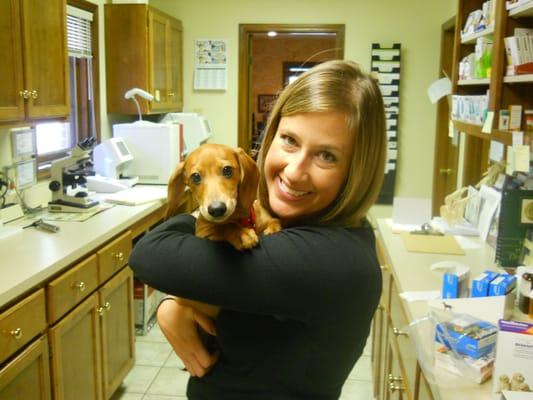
[{"x": 296, "y": 310}]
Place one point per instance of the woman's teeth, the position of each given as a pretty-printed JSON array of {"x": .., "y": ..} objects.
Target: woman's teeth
[{"x": 290, "y": 191}]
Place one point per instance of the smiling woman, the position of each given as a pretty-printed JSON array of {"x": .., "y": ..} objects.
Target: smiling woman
[{"x": 295, "y": 310}]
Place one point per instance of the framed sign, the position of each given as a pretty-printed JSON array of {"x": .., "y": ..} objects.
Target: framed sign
[{"x": 265, "y": 102}]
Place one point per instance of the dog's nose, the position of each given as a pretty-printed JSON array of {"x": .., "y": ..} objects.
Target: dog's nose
[{"x": 217, "y": 209}]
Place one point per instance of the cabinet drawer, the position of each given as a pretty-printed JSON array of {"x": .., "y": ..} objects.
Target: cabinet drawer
[
  {"x": 114, "y": 256},
  {"x": 398, "y": 333},
  {"x": 21, "y": 323},
  {"x": 63, "y": 293}
]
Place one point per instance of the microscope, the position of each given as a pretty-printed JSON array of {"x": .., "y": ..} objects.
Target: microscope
[{"x": 68, "y": 182}]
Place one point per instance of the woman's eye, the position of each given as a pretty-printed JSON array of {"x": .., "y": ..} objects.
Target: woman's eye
[
  {"x": 227, "y": 171},
  {"x": 289, "y": 140},
  {"x": 196, "y": 178},
  {"x": 327, "y": 156}
]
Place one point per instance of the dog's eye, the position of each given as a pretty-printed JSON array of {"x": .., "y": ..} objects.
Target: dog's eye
[
  {"x": 227, "y": 171},
  {"x": 196, "y": 178}
]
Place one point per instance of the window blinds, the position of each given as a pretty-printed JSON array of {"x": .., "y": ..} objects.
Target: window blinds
[{"x": 79, "y": 32}]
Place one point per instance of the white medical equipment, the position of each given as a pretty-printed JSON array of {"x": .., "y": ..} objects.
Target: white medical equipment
[{"x": 196, "y": 129}]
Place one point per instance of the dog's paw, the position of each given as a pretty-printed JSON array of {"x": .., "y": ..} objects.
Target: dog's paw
[
  {"x": 248, "y": 239},
  {"x": 272, "y": 227}
]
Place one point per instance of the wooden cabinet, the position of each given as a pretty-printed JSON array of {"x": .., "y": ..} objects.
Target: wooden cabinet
[
  {"x": 77, "y": 374},
  {"x": 102, "y": 329},
  {"x": 117, "y": 330},
  {"x": 396, "y": 372},
  {"x": 503, "y": 90},
  {"x": 34, "y": 60},
  {"x": 28, "y": 375},
  {"x": 144, "y": 50}
]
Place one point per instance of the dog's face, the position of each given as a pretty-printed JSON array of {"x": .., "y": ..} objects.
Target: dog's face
[
  {"x": 518, "y": 377},
  {"x": 213, "y": 175},
  {"x": 220, "y": 178}
]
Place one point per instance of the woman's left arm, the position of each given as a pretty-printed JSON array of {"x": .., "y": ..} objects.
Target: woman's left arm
[{"x": 298, "y": 272}]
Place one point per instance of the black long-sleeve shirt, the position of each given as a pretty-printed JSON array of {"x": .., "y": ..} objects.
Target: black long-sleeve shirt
[{"x": 296, "y": 309}]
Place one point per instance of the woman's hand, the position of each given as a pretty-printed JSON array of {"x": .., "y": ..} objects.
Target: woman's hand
[{"x": 178, "y": 323}]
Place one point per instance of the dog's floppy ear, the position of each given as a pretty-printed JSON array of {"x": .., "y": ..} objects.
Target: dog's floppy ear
[
  {"x": 249, "y": 179},
  {"x": 175, "y": 190}
]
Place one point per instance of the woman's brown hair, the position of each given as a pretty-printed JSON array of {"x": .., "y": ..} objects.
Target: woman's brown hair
[{"x": 339, "y": 86}]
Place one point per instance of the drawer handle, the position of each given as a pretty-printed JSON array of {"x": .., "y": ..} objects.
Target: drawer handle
[
  {"x": 16, "y": 333},
  {"x": 80, "y": 286},
  {"x": 393, "y": 379},
  {"x": 394, "y": 387},
  {"x": 118, "y": 256},
  {"x": 101, "y": 309},
  {"x": 396, "y": 332}
]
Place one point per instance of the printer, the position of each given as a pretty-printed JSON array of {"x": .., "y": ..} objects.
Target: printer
[
  {"x": 111, "y": 158},
  {"x": 156, "y": 148},
  {"x": 196, "y": 129}
]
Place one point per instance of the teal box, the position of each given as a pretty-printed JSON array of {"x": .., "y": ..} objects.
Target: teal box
[
  {"x": 481, "y": 283},
  {"x": 502, "y": 285}
]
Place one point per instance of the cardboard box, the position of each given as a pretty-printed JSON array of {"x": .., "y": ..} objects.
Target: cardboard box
[
  {"x": 455, "y": 284},
  {"x": 502, "y": 284},
  {"x": 513, "y": 369},
  {"x": 467, "y": 336},
  {"x": 481, "y": 283}
]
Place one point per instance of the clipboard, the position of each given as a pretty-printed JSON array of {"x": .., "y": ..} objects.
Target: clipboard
[{"x": 445, "y": 244}]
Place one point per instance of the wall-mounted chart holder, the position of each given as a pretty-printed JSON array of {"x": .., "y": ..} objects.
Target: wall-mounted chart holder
[{"x": 386, "y": 65}]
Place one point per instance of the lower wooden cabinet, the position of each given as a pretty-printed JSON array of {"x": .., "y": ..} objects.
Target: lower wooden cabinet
[
  {"x": 396, "y": 372},
  {"x": 27, "y": 376},
  {"x": 93, "y": 346},
  {"x": 76, "y": 353},
  {"x": 117, "y": 330}
]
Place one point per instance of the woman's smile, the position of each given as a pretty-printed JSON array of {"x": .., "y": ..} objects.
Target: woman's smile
[{"x": 307, "y": 163}]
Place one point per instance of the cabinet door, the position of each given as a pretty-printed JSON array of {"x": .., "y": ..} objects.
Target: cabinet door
[
  {"x": 394, "y": 386},
  {"x": 175, "y": 65},
  {"x": 158, "y": 26},
  {"x": 45, "y": 58},
  {"x": 28, "y": 375},
  {"x": 118, "y": 341},
  {"x": 424, "y": 390},
  {"x": 76, "y": 363},
  {"x": 11, "y": 101}
]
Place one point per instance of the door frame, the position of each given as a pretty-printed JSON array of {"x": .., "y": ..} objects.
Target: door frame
[
  {"x": 245, "y": 35},
  {"x": 446, "y": 156}
]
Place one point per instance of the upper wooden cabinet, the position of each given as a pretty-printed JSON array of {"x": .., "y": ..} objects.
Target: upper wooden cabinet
[
  {"x": 34, "y": 62},
  {"x": 144, "y": 50}
]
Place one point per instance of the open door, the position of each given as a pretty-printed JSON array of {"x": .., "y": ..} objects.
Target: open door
[
  {"x": 446, "y": 148},
  {"x": 267, "y": 63}
]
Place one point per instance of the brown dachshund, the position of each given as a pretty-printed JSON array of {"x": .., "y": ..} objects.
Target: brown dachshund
[{"x": 223, "y": 181}]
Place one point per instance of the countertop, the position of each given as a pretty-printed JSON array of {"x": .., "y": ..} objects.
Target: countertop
[
  {"x": 411, "y": 272},
  {"x": 32, "y": 256}
]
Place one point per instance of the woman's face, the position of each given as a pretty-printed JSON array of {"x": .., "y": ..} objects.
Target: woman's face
[{"x": 307, "y": 163}]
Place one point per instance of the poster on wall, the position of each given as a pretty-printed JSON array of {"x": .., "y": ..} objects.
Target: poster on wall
[{"x": 211, "y": 65}]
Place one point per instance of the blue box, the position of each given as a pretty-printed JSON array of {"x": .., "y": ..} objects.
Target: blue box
[
  {"x": 472, "y": 339},
  {"x": 481, "y": 283},
  {"x": 502, "y": 285},
  {"x": 454, "y": 285}
]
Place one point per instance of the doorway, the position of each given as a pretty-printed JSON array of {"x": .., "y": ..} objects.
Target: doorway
[
  {"x": 446, "y": 148},
  {"x": 271, "y": 56}
]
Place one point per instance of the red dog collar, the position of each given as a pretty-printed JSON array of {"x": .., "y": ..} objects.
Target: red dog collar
[{"x": 249, "y": 222}]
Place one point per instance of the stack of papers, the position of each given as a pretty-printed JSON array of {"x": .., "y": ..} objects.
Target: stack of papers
[{"x": 137, "y": 195}]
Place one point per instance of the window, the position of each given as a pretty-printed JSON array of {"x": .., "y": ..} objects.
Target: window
[{"x": 55, "y": 139}]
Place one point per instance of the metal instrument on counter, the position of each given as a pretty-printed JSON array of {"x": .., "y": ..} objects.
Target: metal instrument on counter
[{"x": 68, "y": 183}]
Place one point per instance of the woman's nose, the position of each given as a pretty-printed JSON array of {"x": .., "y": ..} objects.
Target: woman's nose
[{"x": 297, "y": 167}]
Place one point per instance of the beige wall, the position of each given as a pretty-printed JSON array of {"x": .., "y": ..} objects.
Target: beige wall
[{"x": 413, "y": 23}]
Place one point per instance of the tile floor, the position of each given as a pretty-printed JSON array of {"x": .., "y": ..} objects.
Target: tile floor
[{"x": 157, "y": 374}]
